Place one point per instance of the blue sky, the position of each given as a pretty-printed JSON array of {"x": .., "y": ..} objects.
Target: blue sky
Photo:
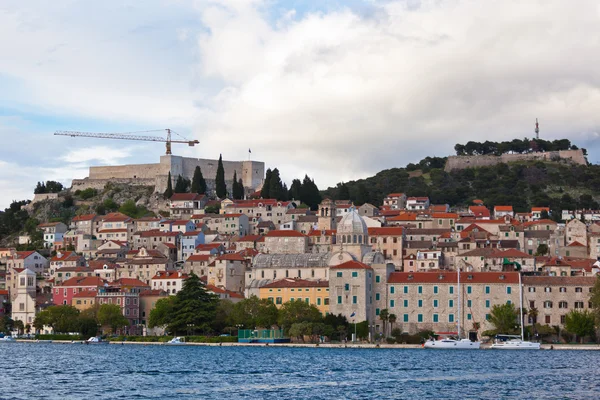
[{"x": 335, "y": 89}]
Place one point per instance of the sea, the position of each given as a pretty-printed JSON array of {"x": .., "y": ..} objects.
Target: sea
[{"x": 77, "y": 371}]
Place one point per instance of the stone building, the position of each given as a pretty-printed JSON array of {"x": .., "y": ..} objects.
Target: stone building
[
  {"x": 285, "y": 242},
  {"x": 312, "y": 292},
  {"x": 389, "y": 241},
  {"x": 24, "y": 303}
]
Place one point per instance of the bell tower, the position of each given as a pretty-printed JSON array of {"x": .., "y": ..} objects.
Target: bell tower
[{"x": 327, "y": 215}]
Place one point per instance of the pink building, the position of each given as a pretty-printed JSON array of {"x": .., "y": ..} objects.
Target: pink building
[
  {"x": 63, "y": 294},
  {"x": 129, "y": 302}
]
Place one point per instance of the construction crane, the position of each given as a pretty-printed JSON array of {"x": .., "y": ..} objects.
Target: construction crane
[{"x": 131, "y": 136}]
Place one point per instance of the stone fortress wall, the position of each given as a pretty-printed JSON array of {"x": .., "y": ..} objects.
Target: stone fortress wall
[
  {"x": 251, "y": 172},
  {"x": 462, "y": 162}
]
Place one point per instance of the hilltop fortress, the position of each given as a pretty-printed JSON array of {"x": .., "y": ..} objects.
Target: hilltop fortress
[
  {"x": 462, "y": 162},
  {"x": 250, "y": 172}
]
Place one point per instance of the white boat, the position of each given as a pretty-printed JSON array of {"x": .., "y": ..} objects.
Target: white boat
[
  {"x": 515, "y": 342},
  {"x": 8, "y": 339},
  {"x": 96, "y": 340},
  {"x": 176, "y": 341},
  {"x": 451, "y": 343}
]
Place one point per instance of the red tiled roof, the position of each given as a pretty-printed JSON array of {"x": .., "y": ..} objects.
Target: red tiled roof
[
  {"x": 215, "y": 289},
  {"x": 65, "y": 256},
  {"x": 503, "y": 208},
  {"x": 294, "y": 283},
  {"x": 86, "y": 293},
  {"x": 351, "y": 265},
  {"x": 186, "y": 196},
  {"x": 451, "y": 277},
  {"x": 192, "y": 233},
  {"x": 208, "y": 246},
  {"x": 115, "y": 217},
  {"x": 84, "y": 281},
  {"x": 326, "y": 232},
  {"x": 394, "y": 195},
  {"x": 576, "y": 244},
  {"x": 559, "y": 280},
  {"x": 248, "y": 252},
  {"x": 540, "y": 209},
  {"x": 112, "y": 230},
  {"x": 386, "y": 231},
  {"x": 156, "y": 233},
  {"x": 255, "y": 203},
  {"x": 232, "y": 215},
  {"x": 153, "y": 292},
  {"x": 283, "y": 233},
  {"x": 444, "y": 215},
  {"x": 480, "y": 211},
  {"x": 170, "y": 275},
  {"x": 231, "y": 257},
  {"x": 199, "y": 257},
  {"x": 87, "y": 217},
  {"x": 48, "y": 224},
  {"x": 539, "y": 222},
  {"x": 129, "y": 282},
  {"x": 403, "y": 217},
  {"x": 511, "y": 253},
  {"x": 21, "y": 255},
  {"x": 249, "y": 238}
]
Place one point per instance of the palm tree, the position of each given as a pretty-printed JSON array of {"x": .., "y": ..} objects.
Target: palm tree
[
  {"x": 392, "y": 318},
  {"x": 384, "y": 315},
  {"x": 533, "y": 314}
]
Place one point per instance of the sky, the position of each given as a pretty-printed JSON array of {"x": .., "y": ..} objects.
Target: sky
[{"x": 338, "y": 90}]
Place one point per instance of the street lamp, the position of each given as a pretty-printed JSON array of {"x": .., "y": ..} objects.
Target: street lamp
[{"x": 189, "y": 327}]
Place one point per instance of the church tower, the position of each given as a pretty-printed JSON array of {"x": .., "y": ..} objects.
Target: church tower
[{"x": 327, "y": 214}]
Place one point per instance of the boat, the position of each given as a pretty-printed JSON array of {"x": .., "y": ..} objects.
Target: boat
[
  {"x": 96, "y": 340},
  {"x": 176, "y": 341},
  {"x": 8, "y": 339},
  {"x": 515, "y": 342},
  {"x": 452, "y": 343}
]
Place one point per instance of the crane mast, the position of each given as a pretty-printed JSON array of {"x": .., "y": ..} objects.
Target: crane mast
[{"x": 130, "y": 136}]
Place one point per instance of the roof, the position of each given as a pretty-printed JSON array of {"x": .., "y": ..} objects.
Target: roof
[
  {"x": 232, "y": 215},
  {"x": 112, "y": 230},
  {"x": 511, "y": 253},
  {"x": 86, "y": 217},
  {"x": 208, "y": 246},
  {"x": 284, "y": 233},
  {"x": 393, "y": 195},
  {"x": 257, "y": 203},
  {"x": 192, "y": 233},
  {"x": 84, "y": 281},
  {"x": 576, "y": 244},
  {"x": 540, "y": 209},
  {"x": 68, "y": 256},
  {"x": 3, "y": 292},
  {"x": 540, "y": 222},
  {"x": 48, "y": 224},
  {"x": 86, "y": 293},
  {"x": 231, "y": 257},
  {"x": 386, "y": 231},
  {"x": 559, "y": 280},
  {"x": 294, "y": 283},
  {"x": 249, "y": 238},
  {"x": 170, "y": 275},
  {"x": 156, "y": 232},
  {"x": 503, "y": 208},
  {"x": 322, "y": 232},
  {"x": 480, "y": 211},
  {"x": 215, "y": 289},
  {"x": 452, "y": 277},
  {"x": 418, "y": 198},
  {"x": 21, "y": 255},
  {"x": 115, "y": 217},
  {"x": 199, "y": 257},
  {"x": 404, "y": 217},
  {"x": 186, "y": 196},
  {"x": 444, "y": 215},
  {"x": 351, "y": 265},
  {"x": 129, "y": 282}
]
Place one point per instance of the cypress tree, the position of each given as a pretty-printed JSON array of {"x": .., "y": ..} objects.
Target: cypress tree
[
  {"x": 182, "y": 185},
  {"x": 237, "y": 187},
  {"x": 265, "y": 191},
  {"x": 221, "y": 188},
  {"x": 198, "y": 182},
  {"x": 309, "y": 193},
  {"x": 295, "y": 189},
  {"x": 275, "y": 186},
  {"x": 169, "y": 192}
]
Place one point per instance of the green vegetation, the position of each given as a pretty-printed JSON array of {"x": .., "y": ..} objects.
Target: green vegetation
[
  {"x": 182, "y": 185},
  {"x": 504, "y": 317},
  {"x": 111, "y": 315},
  {"x": 198, "y": 182},
  {"x": 516, "y": 146},
  {"x": 220, "y": 187},
  {"x": 130, "y": 209},
  {"x": 48, "y": 187},
  {"x": 580, "y": 323},
  {"x": 169, "y": 191},
  {"x": 86, "y": 194},
  {"x": 238, "y": 187}
]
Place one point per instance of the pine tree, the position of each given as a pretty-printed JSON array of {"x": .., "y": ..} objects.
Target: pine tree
[
  {"x": 198, "y": 182},
  {"x": 294, "y": 192},
  {"x": 275, "y": 186},
  {"x": 284, "y": 193},
  {"x": 169, "y": 191},
  {"x": 221, "y": 188},
  {"x": 343, "y": 192},
  {"x": 265, "y": 191},
  {"x": 237, "y": 188},
  {"x": 182, "y": 185},
  {"x": 309, "y": 193}
]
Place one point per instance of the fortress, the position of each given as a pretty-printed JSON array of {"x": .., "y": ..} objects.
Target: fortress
[
  {"x": 462, "y": 162},
  {"x": 251, "y": 173}
]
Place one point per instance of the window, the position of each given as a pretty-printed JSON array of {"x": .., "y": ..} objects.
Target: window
[
  {"x": 392, "y": 289},
  {"x": 420, "y": 318},
  {"x": 450, "y": 303},
  {"x": 326, "y": 301},
  {"x": 487, "y": 317},
  {"x": 278, "y": 300},
  {"x": 469, "y": 303},
  {"x": 318, "y": 301},
  {"x": 578, "y": 290},
  {"x": 346, "y": 286},
  {"x": 487, "y": 290},
  {"x": 579, "y": 304},
  {"x": 451, "y": 318},
  {"x": 377, "y": 279},
  {"x": 355, "y": 274},
  {"x": 548, "y": 289},
  {"x": 377, "y": 310},
  {"x": 451, "y": 289},
  {"x": 563, "y": 304},
  {"x": 354, "y": 299},
  {"x": 405, "y": 303},
  {"x": 405, "y": 289},
  {"x": 377, "y": 296},
  {"x": 469, "y": 317},
  {"x": 531, "y": 290},
  {"x": 468, "y": 289},
  {"x": 339, "y": 274},
  {"x": 563, "y": 319},
  {"x": 435, "y": 318},
  {"x": 563, "y": 290},
  {"x": 435, "y": 290},
  {"x": 420, "y": 289},
  {"x": 435, "y": 303},
  {"x": 508, "y": 290},
  {"x": 487, "y": 304},
  {"x": 392, "y": 303},
  {"x": 339, "y": 300},
  {"x": 547, "y": 304},
  {"x": 547, "y": 319},
  {"x": 420, "y": 303},
  {"x": 405, "y": 318}
]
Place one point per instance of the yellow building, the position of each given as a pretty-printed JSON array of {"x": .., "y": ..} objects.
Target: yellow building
[
  {"x": 84, "y": 300},
  {"x": 284, "y": 290}
]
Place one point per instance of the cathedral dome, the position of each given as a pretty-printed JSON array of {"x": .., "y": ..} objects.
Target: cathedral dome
[{"x": 352, "y": 224}]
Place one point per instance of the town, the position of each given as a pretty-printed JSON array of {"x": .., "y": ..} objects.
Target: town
[{"x": 387, "y": 273}]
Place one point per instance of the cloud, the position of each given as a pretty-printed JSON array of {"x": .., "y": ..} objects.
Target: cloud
[
  {"x": 341, "y": 95},
  {"x": 103, "y": 154}
]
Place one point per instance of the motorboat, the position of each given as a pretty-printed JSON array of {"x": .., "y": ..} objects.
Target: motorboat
[
  {"x": 8, "y": 339},
  {"x": 176, "y": 341},
  {"x": 96, "y": 340},
  {"x": 450, "y": 343},
  {"x": 513, "y": 342}
]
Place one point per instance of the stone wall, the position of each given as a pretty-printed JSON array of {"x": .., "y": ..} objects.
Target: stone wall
[{"x": 462, "y": 162}]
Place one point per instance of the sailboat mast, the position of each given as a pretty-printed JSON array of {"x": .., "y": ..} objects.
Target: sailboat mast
[
  {"x": 521, "y": 306},
  {"x": 459, "y": 305}
]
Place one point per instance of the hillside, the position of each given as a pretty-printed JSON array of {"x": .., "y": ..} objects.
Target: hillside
[{"x": 520, "y": 184}]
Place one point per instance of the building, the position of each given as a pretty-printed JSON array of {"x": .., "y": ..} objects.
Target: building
[
  {"x": 53, "y": 232},
  {"x": 285, "y": 242},
  {"x": 170, "y": 282},
  {"x": 63, "y": 294},
  {"x": 184, "y": 205},
  {"x": 84, "y": 299},
  {"x": 228, "y": 272},
  {"x": 24, "y": 303},
  {"x": 395, "y": 201},
  {"x": 129, "y": 304},
  {"x": 85, "y": 224},
  {"x": 417, "y": 203},
  {"x": 312, "y": 292},
  {"x": 501, "y": 211},
  {"x": 351, "y": 291},
  {"x": 148, "y": 299},
  {"x": 388, "y": 240}
]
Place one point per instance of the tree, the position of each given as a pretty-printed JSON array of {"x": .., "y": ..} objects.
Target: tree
[
  {"x": 297, "y": 311},
  {"x": 392, "y": 319},
  {"x": 19, "y": 326},
  {"x": 169, "y": 192},
  {"x": 62, "y": 319},
  {"x": 275, "y": 185},
  {"x": 221, "y": 188},
  {"x": 223, "y": 321},
  {"x": 88, "y": 327},
  {"x": 343, "y": 192},
  {"x": 54, "y": 187},
  {"x": 237, "y": 188},
  {"x": 295, "y": 189},
  {"x": 580, "y": 323},
  {"x": 130, "y": 209},
  {"x": 111, "y": 315},
  {"x": 504, "y": 318},
  {"x": 309, "y": 193},
  {"x": 198, "y": 182},
  {"x": 265, "y": 191},
  {"x": 193, "y": 307},
  {"x": 254, "y": 312},
  {"x": 110, "y": 205},
  {"x": 384, "y": 315},
  {"x": 182, "y": 185},
  {"x": 40, "y": 188},
  {"x": 6, "y": 324},
  {"x": 595, "y": 300},
  {"x": 161, "y": 313},
  {"x": 542, "y": 250}
]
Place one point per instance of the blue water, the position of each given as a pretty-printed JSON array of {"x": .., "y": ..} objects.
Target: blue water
[{"x": 73, "y": 371}]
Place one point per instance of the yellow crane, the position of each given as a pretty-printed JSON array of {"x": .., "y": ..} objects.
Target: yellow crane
[{"x": 131, "y": 136}]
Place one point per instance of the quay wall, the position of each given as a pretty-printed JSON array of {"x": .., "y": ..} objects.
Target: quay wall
[{"x": 462, "y": 162}]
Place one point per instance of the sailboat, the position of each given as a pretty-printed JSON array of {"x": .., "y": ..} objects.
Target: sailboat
[
  {"x": 515, "y": 342},
  {"x": 449, "y": 343}
]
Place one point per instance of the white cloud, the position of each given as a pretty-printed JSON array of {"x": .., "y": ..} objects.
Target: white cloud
[{"x": 104, "y": 154}]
